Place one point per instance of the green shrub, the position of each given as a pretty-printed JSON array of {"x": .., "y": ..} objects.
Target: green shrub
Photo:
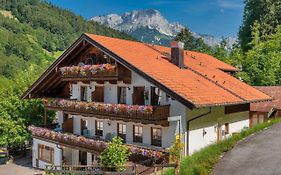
[{"x": 115, "y": 155}]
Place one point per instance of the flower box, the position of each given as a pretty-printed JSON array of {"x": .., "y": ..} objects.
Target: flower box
[
  {"x": 93, "y": 144},
  {"x": 88, "y": 70},
  {"x": 102, "y": 108}
]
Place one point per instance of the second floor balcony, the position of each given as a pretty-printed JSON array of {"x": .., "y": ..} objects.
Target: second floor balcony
[{"x": 145, "y": 114}]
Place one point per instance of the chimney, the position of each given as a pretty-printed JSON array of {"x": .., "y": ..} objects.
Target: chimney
[{"x": 177, "y": 53}]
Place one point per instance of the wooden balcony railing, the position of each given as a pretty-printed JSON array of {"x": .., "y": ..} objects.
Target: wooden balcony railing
[
  {"x": 89, "y": 72},
  {"x": 128, "y": 113},
  {"x": 92, "y": 144}
]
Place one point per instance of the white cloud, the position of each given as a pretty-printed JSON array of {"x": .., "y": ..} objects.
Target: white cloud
[
  {"x": 166, "y": 2},
  {"x": 230, "y": 4}
]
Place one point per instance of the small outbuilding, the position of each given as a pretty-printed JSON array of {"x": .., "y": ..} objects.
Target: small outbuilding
[{"x": 262, "y": 111}]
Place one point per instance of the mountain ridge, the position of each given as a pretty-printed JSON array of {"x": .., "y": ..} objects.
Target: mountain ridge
[{"x": 150, "y": 26}]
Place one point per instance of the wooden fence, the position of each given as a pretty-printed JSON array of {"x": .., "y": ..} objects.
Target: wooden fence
[{"x": 101, "y": 170}]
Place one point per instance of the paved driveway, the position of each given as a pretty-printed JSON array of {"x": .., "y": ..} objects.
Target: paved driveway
[
  {"x": 20, "y": 166},
  {"x": 258, "y": 154}
]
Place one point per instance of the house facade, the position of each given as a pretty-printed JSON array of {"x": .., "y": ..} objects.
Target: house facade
[{"x": 103, "y": 87}]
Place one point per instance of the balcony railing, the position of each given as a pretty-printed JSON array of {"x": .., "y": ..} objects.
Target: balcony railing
[
  {"x": 139, "y": 113},
  {"x": 96, "y": 145},
  {"x": 89, "y": 72}
]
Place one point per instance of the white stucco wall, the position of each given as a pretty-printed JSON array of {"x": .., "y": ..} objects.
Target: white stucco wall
[
  {"x": 42, "y": 164},
  {"x": 208, "y": 123},
  {"x": 110, "y": 127}
]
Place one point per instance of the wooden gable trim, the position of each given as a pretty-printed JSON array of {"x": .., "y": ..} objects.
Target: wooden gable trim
[{"x": 28, "y": 92}]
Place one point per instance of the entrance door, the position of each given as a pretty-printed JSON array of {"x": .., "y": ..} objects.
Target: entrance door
[
  {"x": 67, "y": 125},
  {"x": 138, "y": 95},
  {"x": 98, "y": 94}
]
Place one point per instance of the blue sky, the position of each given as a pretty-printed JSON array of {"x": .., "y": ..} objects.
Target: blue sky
[{"x": 215, "y": 17}]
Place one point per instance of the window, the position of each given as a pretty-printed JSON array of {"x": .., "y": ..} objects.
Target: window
[
  {"x": 83, "y": 93},
  {"x": 121, "y": 131},
  {"x": 226, "y": 128},
  {"x": 121, "y": 95},
  {"x": 99, "y": 128},
  {"x": 156, "y": 137},
  {"x": 46, "y": 153},
  {"x": 154, "y": 99},
  {"x": 137, "y": 132}
]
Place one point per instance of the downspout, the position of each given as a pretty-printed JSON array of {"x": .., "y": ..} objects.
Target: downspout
[{"x": 188, "y": 123}]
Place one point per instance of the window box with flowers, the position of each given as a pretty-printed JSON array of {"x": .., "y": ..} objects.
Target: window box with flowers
[
  {"x": 140, "y": 112},
  {"x": 94, "y": 144}
]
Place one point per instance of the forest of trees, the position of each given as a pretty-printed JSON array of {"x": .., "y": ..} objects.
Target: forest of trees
[
  {"x": 38, "y": 32},
  {"x": 257, "y": 52},
  {"x": 32, "y": 35}
]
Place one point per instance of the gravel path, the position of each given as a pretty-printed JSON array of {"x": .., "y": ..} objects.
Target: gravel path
[{"x": 20, "y": 166}]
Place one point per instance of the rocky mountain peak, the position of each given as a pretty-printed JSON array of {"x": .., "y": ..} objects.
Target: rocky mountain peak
[
  {"x": 148, "y": 25},
  {"x": 130, "y": 21}
]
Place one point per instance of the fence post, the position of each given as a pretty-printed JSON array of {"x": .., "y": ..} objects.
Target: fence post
[{"x": 136, "y": 168}]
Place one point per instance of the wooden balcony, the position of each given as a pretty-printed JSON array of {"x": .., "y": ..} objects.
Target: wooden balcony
[
  {"x": 92, "y": 145},
  {"x": 106, "y": 72},
  {"x": 129, "y": 113}
]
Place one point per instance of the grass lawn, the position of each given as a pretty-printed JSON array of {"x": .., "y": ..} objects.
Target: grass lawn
[{"x": 202, "y": 162}]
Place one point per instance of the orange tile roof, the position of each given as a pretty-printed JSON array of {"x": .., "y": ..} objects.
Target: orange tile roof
[{"x": 202, "y": 83}]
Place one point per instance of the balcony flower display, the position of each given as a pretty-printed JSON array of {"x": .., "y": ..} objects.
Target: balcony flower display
[
  {"x": 96, "y": 106},
  {"x": 89, "y": 143},
  {"x": 87, "y": 70}
]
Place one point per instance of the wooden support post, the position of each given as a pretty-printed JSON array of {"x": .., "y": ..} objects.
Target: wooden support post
[
  {"x": 45, "y": 117},
  {"x": 177, "y": 168}
]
